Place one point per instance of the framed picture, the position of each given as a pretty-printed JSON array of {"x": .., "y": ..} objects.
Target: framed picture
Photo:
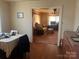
[{"x": 20, "y": 15}]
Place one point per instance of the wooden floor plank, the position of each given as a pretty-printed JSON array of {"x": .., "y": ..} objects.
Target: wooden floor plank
[{"x": 43, "y": 47}]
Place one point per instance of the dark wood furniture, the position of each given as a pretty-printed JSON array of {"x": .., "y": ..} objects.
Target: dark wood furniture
[
  {"x": 21, "y": 48},
  {"x": 70, "y": 47}
]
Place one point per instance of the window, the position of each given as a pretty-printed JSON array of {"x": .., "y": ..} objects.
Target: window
[{"x": 53, "y": 19}]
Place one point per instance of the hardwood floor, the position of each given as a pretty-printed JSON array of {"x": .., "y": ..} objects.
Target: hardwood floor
[
  {"x": 44, "y": 47},
  {"x": 44, "y": 51},
  {"x": 47, "y": 38}
]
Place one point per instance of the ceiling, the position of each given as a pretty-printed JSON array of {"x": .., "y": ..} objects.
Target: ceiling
[
  {"x": 20, "y": 0},
  {"x": 43, "y": 10},
  {"x": 46, "y": 10}
]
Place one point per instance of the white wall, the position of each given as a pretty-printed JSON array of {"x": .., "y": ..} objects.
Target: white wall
[
  {"x": 4, "y": 17},
  {"x": 44, "y": 18},
  {"x": 76, "y": 15},
  {"x": 25, "y": 25}
]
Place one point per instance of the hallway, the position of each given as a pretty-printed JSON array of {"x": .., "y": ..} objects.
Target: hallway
[{"x": 45, "y": 47}]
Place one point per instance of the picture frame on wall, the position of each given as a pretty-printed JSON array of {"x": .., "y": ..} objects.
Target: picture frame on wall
[{"x": 20, "y": 15}]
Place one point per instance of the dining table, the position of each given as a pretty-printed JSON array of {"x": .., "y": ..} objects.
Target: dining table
[{"x": 8, "y": 44}]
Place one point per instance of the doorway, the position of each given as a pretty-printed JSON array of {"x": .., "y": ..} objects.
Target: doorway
[{"x": 46, "y": 25}]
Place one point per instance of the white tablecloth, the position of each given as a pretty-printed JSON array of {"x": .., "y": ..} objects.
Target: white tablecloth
[{"x": 8, "y": 44}]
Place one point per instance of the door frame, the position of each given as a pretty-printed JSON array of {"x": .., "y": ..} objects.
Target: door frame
[
  {"x": 60, "y": 22},
  {"x": 60, "y": 27}
]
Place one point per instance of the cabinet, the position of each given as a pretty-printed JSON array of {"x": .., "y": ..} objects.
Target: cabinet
[{"x": 70, "y": 47}]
